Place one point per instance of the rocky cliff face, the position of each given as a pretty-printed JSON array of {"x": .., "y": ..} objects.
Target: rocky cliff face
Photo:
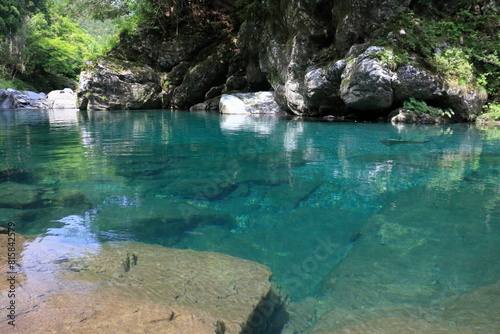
[
  {"x": 320, "y": 60},
  {"x": 317, "y": 56},
  {"x": 166, "y": 69}
]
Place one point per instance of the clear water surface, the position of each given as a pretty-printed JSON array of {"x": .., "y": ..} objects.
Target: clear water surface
[{"x": 348, "y": 216}]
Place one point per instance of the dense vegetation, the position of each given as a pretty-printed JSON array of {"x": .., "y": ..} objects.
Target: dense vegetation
[
  {"x": 43, "y": 46},
  {"x": 44, "y": 43},
  {"x": 461, "y": 42}
]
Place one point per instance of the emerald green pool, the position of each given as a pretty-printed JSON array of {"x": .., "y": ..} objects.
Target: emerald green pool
[{"x": 348, "y": 216}]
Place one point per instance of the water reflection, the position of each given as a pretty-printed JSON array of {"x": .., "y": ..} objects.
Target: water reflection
[
  {"x": 63, "y": 117},
  {"x": 254, "y": 123}
]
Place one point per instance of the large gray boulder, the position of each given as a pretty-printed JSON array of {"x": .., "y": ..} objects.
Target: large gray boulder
[
  {"x": 13, "y": 99},
  {"x": 8, "y": 98},
  {"x": 249, "y": 103},
  {"x": 465, "y": 101},
  {"x": 199, "y": 80},
  {"x": 367, "y": 82},
  {"x": 321, "y": 88},
  {"x": 411, "y": 81},
  {"x": 33, "y": 100},
  {"x": 118, "y": 84},
  {"x": 317, "y": 87},
  {"x": 294, "y": 94}
]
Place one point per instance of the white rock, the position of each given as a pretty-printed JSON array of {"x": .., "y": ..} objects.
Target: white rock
[
  {"x": 249, "y": 103},
  {"x": 62, "y": 99}
]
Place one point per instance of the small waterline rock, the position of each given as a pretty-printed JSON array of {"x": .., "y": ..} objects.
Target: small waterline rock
[{"x": 62, "y": 99}]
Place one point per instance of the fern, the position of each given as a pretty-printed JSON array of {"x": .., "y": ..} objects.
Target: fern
[{"x": 422, "y": 108}]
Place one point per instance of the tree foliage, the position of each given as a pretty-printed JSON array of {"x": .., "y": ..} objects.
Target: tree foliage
[
  {"x": 163, "y": 14},
  {"x": 13, "y": 12},
  {"x": 46, "y": 44},
  {"x": 461, "y": 43},
  {"x": 98, "y": 9},
  {"x": 56, "y": 46}
]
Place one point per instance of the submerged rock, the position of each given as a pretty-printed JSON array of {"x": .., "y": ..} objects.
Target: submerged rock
[
  {"x": 249, "y": 103},
  {"x": 141, "y": 288},
  {"x": 16, "y": 174},
  {"x": 15, "y": 195},
  {"x": 12, "y": 241},
  {"x": 291, "y": 195}
]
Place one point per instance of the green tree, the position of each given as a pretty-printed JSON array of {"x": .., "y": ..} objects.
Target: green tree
[
  {"x": 99, "y": 9},
  {"x": 57, "y": 47},
  {"x": 46, "y": 48},
  {"x": 13, "y": 12}
]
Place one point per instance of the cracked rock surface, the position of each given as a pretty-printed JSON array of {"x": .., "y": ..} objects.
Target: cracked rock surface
[{"x": 136, "y": 288}]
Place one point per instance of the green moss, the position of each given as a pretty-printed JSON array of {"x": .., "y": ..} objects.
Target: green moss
[
  {"x": 491, "y": 113},
  {"x": 392, "y": 57},
  {"x": 464, "y": 46},
  {"x": 454, "y": 64}
]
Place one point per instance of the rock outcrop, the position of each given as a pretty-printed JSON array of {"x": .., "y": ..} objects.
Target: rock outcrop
[
  {"x": 318, "y": 57},
  {"x": 374, "y": 82},
  {"x": 7, "y": 99},
  {"x": 14, "y": 99},
  {"x": 119, "y": 84},
  {"x": 157, "y": 70}
]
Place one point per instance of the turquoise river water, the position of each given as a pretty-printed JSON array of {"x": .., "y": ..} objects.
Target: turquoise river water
[{"x": 356, "y": 221}]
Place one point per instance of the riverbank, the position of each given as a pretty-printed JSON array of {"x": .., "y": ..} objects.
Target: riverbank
[{"x": 56, "y": 99}]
